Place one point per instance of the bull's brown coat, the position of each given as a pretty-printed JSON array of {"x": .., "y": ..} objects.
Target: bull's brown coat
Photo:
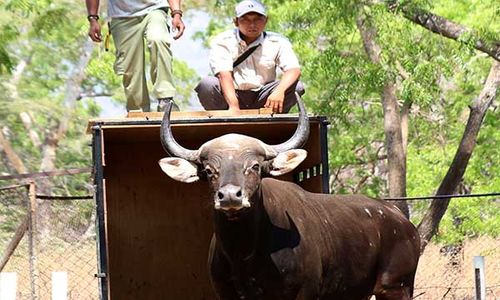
[{"x": 314, "y": 246}]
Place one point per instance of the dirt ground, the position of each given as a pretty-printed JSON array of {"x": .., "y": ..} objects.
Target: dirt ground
[{"x": 443, "y": 273}]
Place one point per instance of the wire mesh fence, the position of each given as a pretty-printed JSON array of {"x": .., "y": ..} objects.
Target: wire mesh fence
[
  {"x": 448, "y": 273},
  {"x": 59, "y": 237},
  {"x": 469, "y": 228},
  {"x": 41, "y": 236}
]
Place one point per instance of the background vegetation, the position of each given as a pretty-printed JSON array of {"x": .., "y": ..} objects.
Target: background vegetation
[{"x": 359, "y": 57}]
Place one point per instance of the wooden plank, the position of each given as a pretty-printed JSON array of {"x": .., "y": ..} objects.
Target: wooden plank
[
  {"x": 175, "y": 115},
  {"x": 198, "y": 114}
]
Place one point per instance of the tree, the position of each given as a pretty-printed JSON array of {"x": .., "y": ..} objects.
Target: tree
[{"x": 50, "y": 73}]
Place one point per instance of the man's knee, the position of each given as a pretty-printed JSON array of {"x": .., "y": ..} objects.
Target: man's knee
[
  {"x": 210, "y": 94},
  {"x": 207, "y": 85}
]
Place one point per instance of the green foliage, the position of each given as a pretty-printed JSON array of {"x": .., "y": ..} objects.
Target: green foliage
[
  {"x": 439, "y": 77},
  {"x": 9, "y": 32},
  {"x": 45, "y": 43},
  {"x": 185, "y": 80}
]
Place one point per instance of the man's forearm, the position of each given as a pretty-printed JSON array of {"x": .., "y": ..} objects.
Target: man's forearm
[
  {"x": 289, "y": 77},
  {"x": 92, "y": 7},
  {"x": 228, "y": 91},
  {"x": 175, "y": 4}
]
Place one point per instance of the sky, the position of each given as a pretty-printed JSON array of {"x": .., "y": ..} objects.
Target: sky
[{"x": 186, "y": 49}]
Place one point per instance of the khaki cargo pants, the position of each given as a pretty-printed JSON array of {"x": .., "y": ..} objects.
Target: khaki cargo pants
[{"x": 129, "y": 35}]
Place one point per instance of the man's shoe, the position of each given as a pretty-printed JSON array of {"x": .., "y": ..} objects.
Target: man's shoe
[{"x": 162, "y": 102}]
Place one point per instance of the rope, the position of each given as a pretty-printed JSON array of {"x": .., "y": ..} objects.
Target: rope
[
  {"x": 46, "y": 197},
  {"x": 442, "y": 197},
  {"x": 46, "y": 174}
]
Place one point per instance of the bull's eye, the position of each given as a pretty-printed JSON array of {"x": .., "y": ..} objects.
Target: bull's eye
[
  {"x": 256, "y": 167},
  {"x": 209, "y": 171}
]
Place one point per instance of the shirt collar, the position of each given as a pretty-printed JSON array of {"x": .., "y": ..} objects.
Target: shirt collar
[{"x": 243, "y": 43}]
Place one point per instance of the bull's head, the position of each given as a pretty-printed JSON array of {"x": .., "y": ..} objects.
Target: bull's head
[{"x": 233, "y": 163}]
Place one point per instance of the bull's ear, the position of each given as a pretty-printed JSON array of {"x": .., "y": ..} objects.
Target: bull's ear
[
  {"x": 287, "y": 161},
  {"x": 179, "y": 169}
]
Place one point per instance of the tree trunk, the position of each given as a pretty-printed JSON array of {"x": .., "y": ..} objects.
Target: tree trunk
[
  {"x": 396, "y": 157},
  {"x": 49, "y": 148},
  {"x": 72, "y": 92},
  {"x": 429, "y": 224}
]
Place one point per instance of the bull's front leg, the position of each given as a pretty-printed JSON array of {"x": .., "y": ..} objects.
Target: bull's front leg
[{"x": 220, "y": 274}]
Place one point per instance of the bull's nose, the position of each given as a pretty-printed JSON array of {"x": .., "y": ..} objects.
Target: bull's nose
[
  {"x": 229, "y": 196},
  {"x": 230, "y": 192}
]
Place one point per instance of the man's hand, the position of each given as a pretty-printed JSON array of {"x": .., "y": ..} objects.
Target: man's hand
[
  {"x": 95, "y": 31},
  {"x": 178, "y": 26},
  {"x": 275, "y": 101},
  {"x": 234, "y": 110}
]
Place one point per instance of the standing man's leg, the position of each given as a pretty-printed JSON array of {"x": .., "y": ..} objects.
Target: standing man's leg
[
  {"x": 128, "y": 36},
  {"x": 290, "y": 98},
  {"x": 158, "y": 40}
]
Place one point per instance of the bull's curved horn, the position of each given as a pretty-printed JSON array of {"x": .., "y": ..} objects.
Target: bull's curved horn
[
  {"x": 301, "y": 134},
  {"x": 168, "y": 141}
]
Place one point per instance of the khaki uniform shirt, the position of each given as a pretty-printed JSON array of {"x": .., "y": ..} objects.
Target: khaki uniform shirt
[
  {"x": 133, "y": 8},
  {"x": 257, "y": 69}
]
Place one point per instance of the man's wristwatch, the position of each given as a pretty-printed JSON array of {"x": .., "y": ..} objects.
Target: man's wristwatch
[{"x": 92, "y": 17}]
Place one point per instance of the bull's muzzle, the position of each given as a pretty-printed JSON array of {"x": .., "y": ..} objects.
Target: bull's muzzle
[{"x": 230, "y": 197}]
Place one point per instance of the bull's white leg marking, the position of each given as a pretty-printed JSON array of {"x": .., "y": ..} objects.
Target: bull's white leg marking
[{"x": 368, "y": 212}]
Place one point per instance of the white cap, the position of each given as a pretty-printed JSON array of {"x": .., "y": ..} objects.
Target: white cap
[{"x": 247, "y": 6}]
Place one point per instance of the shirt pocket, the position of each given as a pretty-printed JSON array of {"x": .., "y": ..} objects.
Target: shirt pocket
[{"x": 267, "y": 63}]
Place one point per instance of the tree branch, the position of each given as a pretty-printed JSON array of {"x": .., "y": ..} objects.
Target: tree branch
[
  {"x": 446, "y": 28},
  {"x": 12, "y": 156},
  {"x": 28, "y": 125}
]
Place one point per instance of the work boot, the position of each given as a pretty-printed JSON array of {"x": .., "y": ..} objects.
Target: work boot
[{"x": 162, "y": 102}]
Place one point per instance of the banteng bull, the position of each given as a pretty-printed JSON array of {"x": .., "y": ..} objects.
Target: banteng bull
[{"x": 274, "y": 240}]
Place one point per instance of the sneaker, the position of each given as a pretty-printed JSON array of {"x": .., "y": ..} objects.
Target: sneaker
[{"x": 162, "y": 102}]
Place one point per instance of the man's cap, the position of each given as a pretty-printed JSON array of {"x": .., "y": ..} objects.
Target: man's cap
[{"x": 247, "y": 6}]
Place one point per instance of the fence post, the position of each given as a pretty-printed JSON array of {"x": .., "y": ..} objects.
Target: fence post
[
  {"x": 479, "y": 278},
  {"x": 8, "y": 286},
  {"x": 31, "y": 240}
]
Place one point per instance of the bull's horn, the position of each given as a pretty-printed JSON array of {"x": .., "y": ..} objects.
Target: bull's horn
[
  {"x": 301, "y": 134},
  {"x": 168, "y": 141}
]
